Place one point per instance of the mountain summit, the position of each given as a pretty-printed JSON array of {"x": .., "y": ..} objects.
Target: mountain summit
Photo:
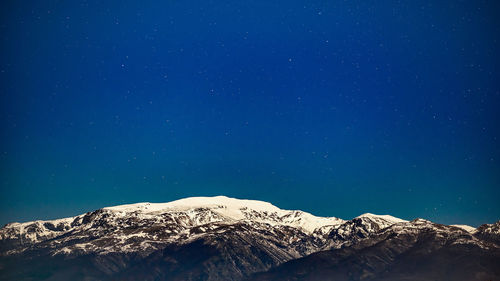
[{"x": 221, "y": 238}]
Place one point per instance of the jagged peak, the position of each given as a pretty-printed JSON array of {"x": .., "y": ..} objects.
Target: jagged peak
[
  {"x": 387, "y": 218},
  {"x": 467, "y": 228},
  {"x": 421, "y": 221}
]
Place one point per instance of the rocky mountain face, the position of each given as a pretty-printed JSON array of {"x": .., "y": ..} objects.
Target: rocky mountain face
[
  {"x": 220, "y": 238},
  {"x": 416, "y": 250}
]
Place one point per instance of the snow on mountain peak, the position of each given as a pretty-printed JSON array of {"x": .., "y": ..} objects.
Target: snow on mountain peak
[
  {"x": 387, "y": 218},
  {"x": 467, "y": 228},
  {"x": 233, "y": 209},
  {"x": 197, "y": 202}
]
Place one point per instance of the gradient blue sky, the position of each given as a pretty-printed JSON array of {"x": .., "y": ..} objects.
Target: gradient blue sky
[{"x": 333, "y": 107}]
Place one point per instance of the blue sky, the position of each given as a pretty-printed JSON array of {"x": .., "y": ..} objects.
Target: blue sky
[{"x": 333, "y": 107}]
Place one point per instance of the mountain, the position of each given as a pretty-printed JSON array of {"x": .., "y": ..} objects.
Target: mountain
[
  {"x": 208, "y": 238},
  {"x": 221, "y": 238},
  {"x": 416, "y": 250}
]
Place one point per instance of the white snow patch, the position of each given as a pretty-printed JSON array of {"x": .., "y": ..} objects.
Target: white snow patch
[
  {"x": 233, "y": 210},
  {"x": 467, "y": 228},
  {"x": 196, "y": 202},
  {"x": 387, "y": 218}
]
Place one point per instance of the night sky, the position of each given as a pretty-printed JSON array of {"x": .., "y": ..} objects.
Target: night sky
[{"x": 333, "y": 107}]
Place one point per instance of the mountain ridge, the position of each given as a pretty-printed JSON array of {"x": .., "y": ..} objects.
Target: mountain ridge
[
  {"x": 152, "y": 207},
  {"x": 204, "y": 238}
]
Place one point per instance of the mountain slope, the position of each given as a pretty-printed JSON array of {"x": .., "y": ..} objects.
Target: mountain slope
[
  {"x": 416, "y": 250},
  {"x": 148, "y": 226},
  {"x": 213, "y": 238},
  {"x": 221, "y": 238}
]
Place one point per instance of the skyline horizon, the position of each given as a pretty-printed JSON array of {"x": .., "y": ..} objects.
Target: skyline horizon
[{"x": 249, "y": 199}]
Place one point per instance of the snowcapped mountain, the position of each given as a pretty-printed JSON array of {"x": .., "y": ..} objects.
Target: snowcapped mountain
[
  {"x": 198, "y": 238},
  {"x": 154, "y": 225}
]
